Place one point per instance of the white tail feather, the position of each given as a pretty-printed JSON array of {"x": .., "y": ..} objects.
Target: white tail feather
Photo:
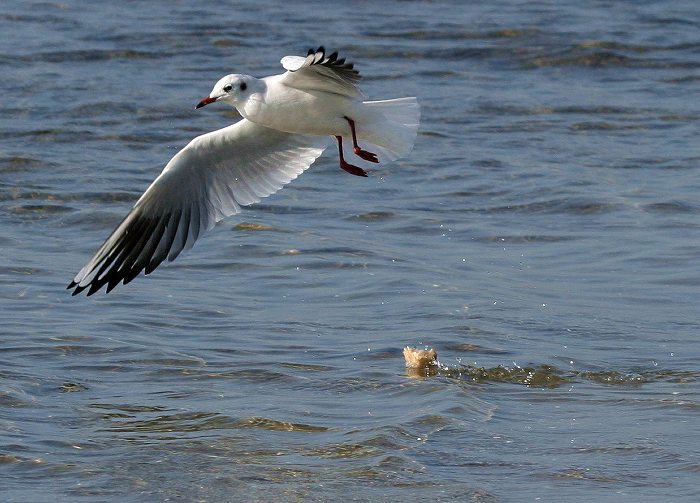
[{"x": 390, "y": 128}]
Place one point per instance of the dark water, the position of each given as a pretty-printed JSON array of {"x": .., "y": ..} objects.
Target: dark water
[{"x": 543, "y": 236}]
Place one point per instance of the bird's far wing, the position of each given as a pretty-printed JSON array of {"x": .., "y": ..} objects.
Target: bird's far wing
[
  {"x": 209, "y": 179},
  {"x": 322, "y": 73}
]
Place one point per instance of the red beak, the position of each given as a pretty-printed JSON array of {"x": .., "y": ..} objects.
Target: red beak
[{"x": 205, "y": 101}]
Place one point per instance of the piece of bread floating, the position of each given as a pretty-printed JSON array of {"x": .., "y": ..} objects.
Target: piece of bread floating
[{"x": 419, "y": 358}]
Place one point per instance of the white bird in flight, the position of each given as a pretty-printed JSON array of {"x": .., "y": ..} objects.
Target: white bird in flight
[{"x": 287, "y": 122}]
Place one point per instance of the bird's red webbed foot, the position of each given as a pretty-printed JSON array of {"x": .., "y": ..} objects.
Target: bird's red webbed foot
[
  {"x": 350, "y": 168},
  {"x": 366, "y": 155},
  {"x": 360, "y": 152}
]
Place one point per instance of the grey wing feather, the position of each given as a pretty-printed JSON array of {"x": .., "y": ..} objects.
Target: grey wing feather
[{"x": 211, "y": 178}]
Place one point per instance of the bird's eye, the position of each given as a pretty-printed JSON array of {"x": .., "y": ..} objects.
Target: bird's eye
[
  {"x": 243, "y": 86},
  {"x": 228, "y": 87}
]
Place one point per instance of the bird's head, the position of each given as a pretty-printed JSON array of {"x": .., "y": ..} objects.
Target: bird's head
[{"x": 233, "y": 89}]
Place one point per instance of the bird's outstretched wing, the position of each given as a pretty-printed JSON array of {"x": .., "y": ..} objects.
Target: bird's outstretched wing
[
  {"x": 209, "y": 179},
  {"x": 322, "y": 73}
]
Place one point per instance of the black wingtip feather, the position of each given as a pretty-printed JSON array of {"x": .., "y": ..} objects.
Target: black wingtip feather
[
  {"x": 129, "y": 254},
  {"x": 347, "y": 70},
  {"x": 79, "y": 289}
]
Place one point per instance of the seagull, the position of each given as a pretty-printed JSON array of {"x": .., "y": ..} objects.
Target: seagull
[{"x": 288, "y": 120}]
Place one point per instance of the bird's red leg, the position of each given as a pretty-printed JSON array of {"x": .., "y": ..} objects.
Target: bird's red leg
[
  {"x": 367, "y": 156},
  {"x": 350, "y": 168}
]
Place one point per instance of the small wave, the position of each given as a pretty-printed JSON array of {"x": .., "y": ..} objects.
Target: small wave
[
  {"x": 594, "y": 59},
  {"x": 507, "y": 109},
  {"x": 581, "y": 207},
  {"x": 40, "y": 209},
  {"x": 527, "y": 238},
  {"x": 96, "y": 109},
  {"x": 456, "y": 33},
  {"x": 252, "y": 226},
  {"x": 204, "y": 421},
  {"x": 547, "y": 376},
  {"x": 276, "y": 425},
  {"x": 374, "y": 216},
  {"x": 20, "y": 271},
  {"x": 605, "y": 126},
  {"x": 49, "y": 135},
  {"x": 80, "y": 55},
  {"x": 578, "y": 56},
  {"x": 671, "y": 207},
  {"x": 16, "y": 164}
]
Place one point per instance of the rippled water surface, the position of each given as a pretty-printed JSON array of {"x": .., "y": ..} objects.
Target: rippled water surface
[{"x": 543, "y": 237}]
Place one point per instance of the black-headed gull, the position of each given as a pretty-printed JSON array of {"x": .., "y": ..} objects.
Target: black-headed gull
[{"x": 287, "y": 121}]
